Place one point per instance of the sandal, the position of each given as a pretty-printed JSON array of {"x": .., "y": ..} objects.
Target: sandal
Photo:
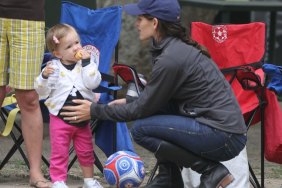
[{"x": 41, "y": 184}]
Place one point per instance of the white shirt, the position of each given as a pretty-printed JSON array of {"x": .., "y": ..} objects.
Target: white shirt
[{"x": 84, "y": 79}]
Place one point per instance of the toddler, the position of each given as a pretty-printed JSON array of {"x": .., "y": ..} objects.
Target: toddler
[{"x": 77, "y": 77}]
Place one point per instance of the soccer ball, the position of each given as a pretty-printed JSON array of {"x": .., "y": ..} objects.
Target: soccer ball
[{"x": 124, "y": 169}]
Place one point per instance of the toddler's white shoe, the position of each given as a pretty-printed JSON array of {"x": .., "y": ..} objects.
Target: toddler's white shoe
[
  {"x": 59, "y": 184},
  {"x": 92, "y": 184}
]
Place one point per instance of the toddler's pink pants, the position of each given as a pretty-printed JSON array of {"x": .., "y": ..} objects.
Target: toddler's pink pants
[{"x": 61, "y": 135}]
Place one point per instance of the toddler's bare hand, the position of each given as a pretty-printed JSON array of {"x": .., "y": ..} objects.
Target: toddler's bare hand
[
  {"x": 48, "y": 69},
  {"x": 82, "y": 54}
]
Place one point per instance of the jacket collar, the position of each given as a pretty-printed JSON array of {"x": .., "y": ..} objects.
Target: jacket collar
[
  {"x": 160, "y": 45},
  {"x": 157, "y": 48}
]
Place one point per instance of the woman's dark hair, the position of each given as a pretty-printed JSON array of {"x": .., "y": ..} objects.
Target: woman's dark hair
[{"x": 177, "y": 30}]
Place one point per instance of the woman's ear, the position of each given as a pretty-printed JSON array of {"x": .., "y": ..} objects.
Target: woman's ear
[{"x": 155, "y": 23}]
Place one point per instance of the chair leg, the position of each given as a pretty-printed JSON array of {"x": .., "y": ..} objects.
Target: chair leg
[
  {"x": 262, "y": 106},
  {"x": 98, "y": 163},
  {"x": 45, "y": 161},
  {"x": 16, "y": 146},
  {"x": 153, "y": 173},
  {"x": 253, "y": 179},
  {"x": 17, "y": 143}
]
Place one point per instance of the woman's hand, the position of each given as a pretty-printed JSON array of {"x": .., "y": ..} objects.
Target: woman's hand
[
  {"x": 78, "y": 113},
  {"x": 118, "y": 102}
]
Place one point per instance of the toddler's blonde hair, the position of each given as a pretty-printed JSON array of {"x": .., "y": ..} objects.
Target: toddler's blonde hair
[{"x": 54, "y": 35}]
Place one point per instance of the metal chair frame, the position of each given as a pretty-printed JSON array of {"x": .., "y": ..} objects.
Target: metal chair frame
[{"x": 17, "y": 141}]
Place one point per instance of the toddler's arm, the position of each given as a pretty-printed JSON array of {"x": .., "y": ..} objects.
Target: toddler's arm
[
  {"x": 91, "y": 75},
  {"x": 41, "y": 82}
]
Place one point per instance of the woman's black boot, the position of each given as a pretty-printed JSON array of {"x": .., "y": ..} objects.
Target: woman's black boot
[
  {"x": 169, "y": 176},
  {"x": 219, "y": 173},
  {"x": 214, "y": 174}
]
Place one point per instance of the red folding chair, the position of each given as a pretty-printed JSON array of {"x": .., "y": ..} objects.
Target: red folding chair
[
  {"x": 130, "y": 76},
  {"x": 238, "y": 50}
]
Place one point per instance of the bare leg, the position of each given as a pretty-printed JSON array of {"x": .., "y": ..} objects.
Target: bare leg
[
  {"x": 32, "y": 129},
  {"x": 87, "y": 171}
]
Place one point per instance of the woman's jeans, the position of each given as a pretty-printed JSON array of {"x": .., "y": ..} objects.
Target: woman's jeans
[{"x": 189, "y": 134}]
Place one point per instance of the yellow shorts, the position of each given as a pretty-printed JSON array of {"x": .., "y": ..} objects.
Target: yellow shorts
[{"x": 21, "y": 52}]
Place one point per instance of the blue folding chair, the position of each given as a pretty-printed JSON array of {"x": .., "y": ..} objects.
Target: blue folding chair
[{"x": 274, "y": 77}]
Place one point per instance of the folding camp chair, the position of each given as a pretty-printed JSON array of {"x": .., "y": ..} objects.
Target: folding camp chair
[
  {"x": 238, "y": 50},
  {"x": 8, "y": 113},
  {"x": 99, "y": 29}
]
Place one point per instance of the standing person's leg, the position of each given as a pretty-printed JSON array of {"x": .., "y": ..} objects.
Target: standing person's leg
[
  {"x": 26, "y": 50},
  {"x": 32, "y": 130},
  {"x": 238, "y": 167}
]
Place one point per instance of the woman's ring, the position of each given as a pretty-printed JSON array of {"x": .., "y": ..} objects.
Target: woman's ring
[{"x": 74, "y": 118}]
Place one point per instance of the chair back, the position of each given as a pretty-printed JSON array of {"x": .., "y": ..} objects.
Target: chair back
[
  {"x": 98, "y": 29},
  {"x": 231, "y": 45},
  {"x": 236, "y": 48}
]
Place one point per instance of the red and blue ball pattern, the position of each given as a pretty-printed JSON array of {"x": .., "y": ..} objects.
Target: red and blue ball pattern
[{"x": 124, "y": 169}]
